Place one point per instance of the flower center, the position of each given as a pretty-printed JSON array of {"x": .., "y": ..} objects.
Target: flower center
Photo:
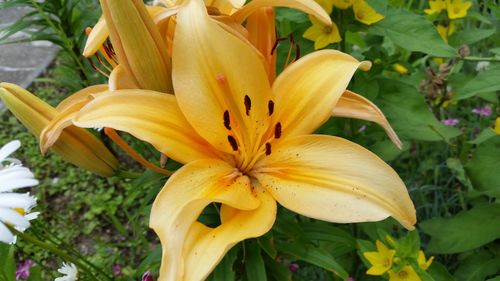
[
  {"x": 403, "y": 274},
  {"x": 327, "y": 29}
]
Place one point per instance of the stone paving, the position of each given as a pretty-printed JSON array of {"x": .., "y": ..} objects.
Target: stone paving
[{"x": 21, "y": 63}]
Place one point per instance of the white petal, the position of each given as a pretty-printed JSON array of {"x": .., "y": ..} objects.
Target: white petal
[
  {"x": 16, "y": 200},
  {"x": 14, "y": 218},
  {"x": 5, "y": 234},
  {"x": 8, "y": 149}
]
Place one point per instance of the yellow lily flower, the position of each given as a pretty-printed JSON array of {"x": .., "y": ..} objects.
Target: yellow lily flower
[
  {"x": 75, "y": 145},
  {"x": 342, "y": 4},
  {"x": 246, "y": 145},
  {"x": 406, "y": 274},
  {"x": 436, "y": 6},
  {"x": 381, "y": 260},
  {"x": 422, "y": 262},
  {"x": 364, "y": 13},
  {"x": 322, "y": 35},
  {"x": 457, "y": 8},
  {"x": 497, "y": 125}
]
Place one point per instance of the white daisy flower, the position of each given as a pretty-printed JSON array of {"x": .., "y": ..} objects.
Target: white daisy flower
[
  {"x": 14, "y": 207},
  {"x": 70, "y": 272}
]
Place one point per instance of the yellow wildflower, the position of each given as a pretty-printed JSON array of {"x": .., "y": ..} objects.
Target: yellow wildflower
[
  {"x": 322, "y": 34},
  {"x": 457, "y": 8},
  {"x": 381, "y": 260},
  {"x": 422, "y": 262},
  {"x": 497, "y": 126},
  {"x": 406, "y": 274},
  {"x": 436, "y": 6},
  {"x": 446, "y": 31},
  {"x": 401, "y": 69},
  {"x": 364, "y": 13},
  {"x": 342, "y": 4}
]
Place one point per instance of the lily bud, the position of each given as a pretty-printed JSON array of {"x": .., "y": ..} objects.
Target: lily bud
[
  {"x": 138, "y": 44},
  {"x": 75, "y": 145}
]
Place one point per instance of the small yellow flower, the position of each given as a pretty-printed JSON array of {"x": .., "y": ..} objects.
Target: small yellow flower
[
  {"x": 342, "y": 4},
  {"x": 436, "y": 6},
  {"x": 364, "y": 13},
  {"x": 446, "y": 31},
  {"x": 497, "y": 126},
  {"x": 457, "y": 8},
  {"x": 322, "y": 34},
  {"x": 406, "y": 274},
  {"x": 401, "y": 69},
  {"x": 327, "y": 5},
  {"x": 422, "y": 262},
  {"x": 381, "y": 260}
]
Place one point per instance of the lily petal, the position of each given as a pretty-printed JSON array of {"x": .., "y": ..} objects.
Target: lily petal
[
  {"x": 121, "y": 79},
  {"x": 333, "y": 179},
  {"x": 262, "y": 34},
  {"x": 307, "y": 6},
  {"x": 205, "y": 58},
  {"x": 352, "y": 105},
  {"x": 306, "y": 91},
  {"x": 181, "y": 201},
  {"x": 240, "y": 226},
  {"x": 75, "y": 145},
  {"x": 81, "y": 95},
  {"x": 155, "y": 118}
]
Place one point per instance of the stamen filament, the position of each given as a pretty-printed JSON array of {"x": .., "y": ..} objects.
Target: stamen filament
[{"x": 111, "y": 133}]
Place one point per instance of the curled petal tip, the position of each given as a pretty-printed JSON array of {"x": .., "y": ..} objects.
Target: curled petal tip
[{"x": 365, "y": 65}]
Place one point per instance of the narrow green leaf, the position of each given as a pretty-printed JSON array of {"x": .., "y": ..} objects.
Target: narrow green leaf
[
  {"x": 414, "y": 33},
  {"x": 486, "y": 81},
  {"x": 477, "y": 267},
  {"x": 225, "y": 271},
  {"x": 465, "y": 231},
  {"x": 267, "y": 244},
  {"x": 8, "y": 266},
  {"x": 313, "y": 255},
  {"x": 469, "y": 36},
  {"x": 277, "y": 271},
  {"x": 485, "y": 135},
  {"x": 483, "y": 168},
  {"x": 439, "y": 272},
  {"x": 254, "y": 263}
]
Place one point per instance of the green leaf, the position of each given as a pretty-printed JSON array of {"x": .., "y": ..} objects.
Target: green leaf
[
  {"x": 254, "y": 264},
  {"x": 439, "y": 272},
  {"x": 485, "y": 135},
  {"x": 313, "y": 255},
  {"x": 486, "y": 81},
  {"x": 413, "y": 32},
  {"x": 465, "y": 231},
  {"x": 8, "y": 266},
  {"x": 277, "y": 271},
  {"x": 455, "y": 165},
  {"x": 409, "y": 245},
  {"x": 483, "y": 168},
  {"x": 267, "y": 244},
  {"x": 408, "y": 113},
  {"x": 477, "y": 267},
  {"x": 224, "y": 270},
  {"x": 470, "y": 36}
]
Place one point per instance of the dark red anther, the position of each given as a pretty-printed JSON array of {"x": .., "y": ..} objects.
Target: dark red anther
[
  {"x": 248, "y": 105},
  {"x": 268, "y": 148},
  {"x": 232, "y": 142},
  {"x": 270, "y": 107},
  {"x": 277, "y": 130},
  {"x": 227, "y": 121}
]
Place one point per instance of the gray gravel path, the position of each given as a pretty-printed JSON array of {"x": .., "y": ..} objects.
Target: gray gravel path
[{"x": 21, "y": 63}]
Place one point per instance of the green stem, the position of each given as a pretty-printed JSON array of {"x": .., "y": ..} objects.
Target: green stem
[
  {"x": 68, "y": 45},
  {"x": 53, "y": 249},
  {"x": 127, "y": 174},
  {"x": 481, "y": 59}
]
